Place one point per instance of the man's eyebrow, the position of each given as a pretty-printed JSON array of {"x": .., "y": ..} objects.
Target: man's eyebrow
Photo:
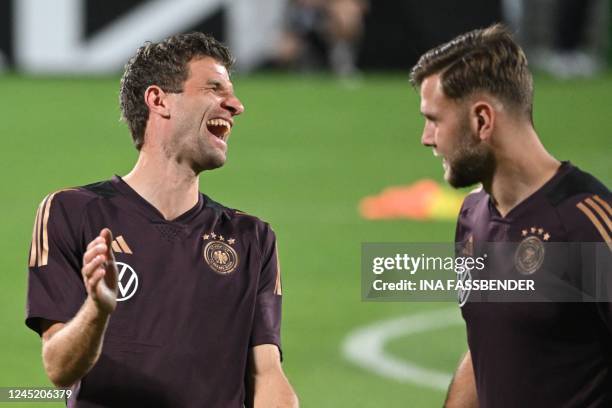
[
  {"x": 215, "y": 82},
  {"x": 223, "y": 85}
]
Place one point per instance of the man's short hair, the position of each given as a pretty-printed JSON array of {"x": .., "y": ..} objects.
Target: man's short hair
[
  {"x": 486, "y": 60},
  {"x": 163, "y": 64}
]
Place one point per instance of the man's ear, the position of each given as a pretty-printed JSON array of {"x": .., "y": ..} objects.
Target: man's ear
[
  {"x": 483, "y": 116},
  {"x": 157, "y": 101}
]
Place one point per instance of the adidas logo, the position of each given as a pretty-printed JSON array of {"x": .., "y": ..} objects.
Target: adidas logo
[{"x": 120, "y": 246}]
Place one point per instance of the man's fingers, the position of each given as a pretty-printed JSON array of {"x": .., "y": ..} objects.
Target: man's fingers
[
  {"x": 91, "y": 253},
  {"x": 90, "y": 267},
  {"x": 97, "y": 276},
  {"x": 99, "y": 268},
  {"x": 98, "y": 240},
  {"x": 111, "y": 275},
  {"x": 101, "y": 244},
  {"x": 100, "y": 271},
  {"x": 107, "y": 235},
  {"x": 111, "y": 268}
]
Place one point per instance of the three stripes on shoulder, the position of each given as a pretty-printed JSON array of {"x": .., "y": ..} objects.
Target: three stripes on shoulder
[{"x": 598, "y": 211}]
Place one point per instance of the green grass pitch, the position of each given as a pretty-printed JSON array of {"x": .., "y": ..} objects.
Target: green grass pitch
[{"x": 303, "y": 154}]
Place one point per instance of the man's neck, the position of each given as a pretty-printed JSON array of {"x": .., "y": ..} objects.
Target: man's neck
[
  {"x": 521, "y": 170},
  {"x": 170, "y": 188}
]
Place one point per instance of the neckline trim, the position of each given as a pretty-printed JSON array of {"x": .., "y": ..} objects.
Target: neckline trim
[
  {"x": 149, "y": 209},
  {"x": 563, "y": 169}
]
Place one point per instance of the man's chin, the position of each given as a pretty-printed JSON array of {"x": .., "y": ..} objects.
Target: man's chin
[
  {"x": 212, "y": 163},
  {"x": 459, "y": 181}
]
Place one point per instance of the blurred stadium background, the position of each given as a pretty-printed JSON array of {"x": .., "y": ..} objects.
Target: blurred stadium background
[{"x": 308, "y": 148}]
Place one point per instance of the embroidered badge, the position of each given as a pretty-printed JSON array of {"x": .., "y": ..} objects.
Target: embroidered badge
[
  {"x": 219, "y": 254},
  {"x": 530, "y": 253}
]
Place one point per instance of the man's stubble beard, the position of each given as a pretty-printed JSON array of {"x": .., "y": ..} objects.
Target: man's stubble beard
[
  {"x": 199, "y": 155},
  {"x": 207, "y": 157},
  {"x": 471, "y": 162}
]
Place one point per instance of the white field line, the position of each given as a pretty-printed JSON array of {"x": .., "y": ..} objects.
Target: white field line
[{"x": 365, "y": 347}]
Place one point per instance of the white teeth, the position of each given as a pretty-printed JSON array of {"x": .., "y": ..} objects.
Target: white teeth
[{"x": 219, "y": 122}]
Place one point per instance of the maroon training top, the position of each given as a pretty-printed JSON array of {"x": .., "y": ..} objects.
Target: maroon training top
[
  {"x": 548, "y": 354},
  {"x": 195, "y": 294}
]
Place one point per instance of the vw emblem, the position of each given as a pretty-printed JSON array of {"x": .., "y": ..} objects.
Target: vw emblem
[{"x": 127, "y": 281}]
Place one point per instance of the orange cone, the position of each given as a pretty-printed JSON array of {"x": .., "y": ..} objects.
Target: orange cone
[{"x": 423, "y": 200}]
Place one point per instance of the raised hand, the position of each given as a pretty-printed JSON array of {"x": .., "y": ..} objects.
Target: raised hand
[{"x": 100, "y": 272}]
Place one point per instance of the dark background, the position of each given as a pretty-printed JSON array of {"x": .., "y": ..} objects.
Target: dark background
[{"x": 396, "y": 33}]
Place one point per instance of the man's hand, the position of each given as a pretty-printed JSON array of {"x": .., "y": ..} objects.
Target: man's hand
[
  {"x": 71, "y": 349},
  {"x": 100, "y": 272}
]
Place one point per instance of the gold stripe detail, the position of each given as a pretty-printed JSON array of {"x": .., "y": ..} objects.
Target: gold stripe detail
[
  {"x": 116, "y": 247},
  {"x": 44, "y": 256},
  {"x": 45, "y": 247},
  {"x": 603, "y": 203},
  {"x": 278, "y": 290},
  {"x": 39, "y": 229},
  {"x": 123, "y": 245},
  {"x": 601, "y": 213},
  {"x": 596, "y": 223},
  {"x": 35, "y": 234}
]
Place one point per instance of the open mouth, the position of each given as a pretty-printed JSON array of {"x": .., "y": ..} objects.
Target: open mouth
[
  {"x": 444, "y": 161},
  {"x": 221, "y": 128}
]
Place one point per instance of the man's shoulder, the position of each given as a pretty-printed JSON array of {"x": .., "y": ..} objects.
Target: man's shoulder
[
  {"x": 476, "y": 197},
  {"x": 242, "y": 219},
  {"x": 250, "y": 226},
  {"x": 62, "y": 213},
  {"x": 77, "y": 198},
  {"x": 584, "y": 205},
  {"x": 575, "y": 186}
]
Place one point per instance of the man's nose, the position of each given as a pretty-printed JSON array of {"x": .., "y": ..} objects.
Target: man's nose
[
  {"x": 233, "y": 104},
  {"x": 427, "y": 138}
]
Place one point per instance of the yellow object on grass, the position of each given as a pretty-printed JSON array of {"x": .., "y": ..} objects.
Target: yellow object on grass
[{"x": 422, "y": 200}]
